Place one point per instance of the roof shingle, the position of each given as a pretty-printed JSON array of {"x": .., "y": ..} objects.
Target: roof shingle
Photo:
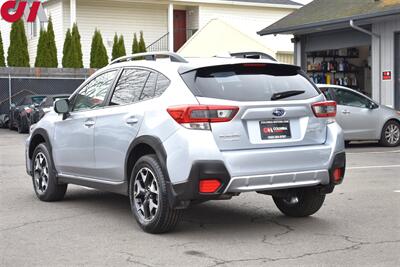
[{"x": 324, "y": 12}]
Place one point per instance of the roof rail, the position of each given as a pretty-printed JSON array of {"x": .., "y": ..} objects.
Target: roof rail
[
  {"x": 174, "y": 57},
  {"x": 254, "y": 55}
]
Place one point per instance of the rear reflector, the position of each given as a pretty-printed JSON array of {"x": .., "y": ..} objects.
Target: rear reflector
[
  {"x": 324, "y": 109},
  {"x": 209, "y": 185},
  {"x": 338, "y": 174},
  {"x": 199, "y": 116}
]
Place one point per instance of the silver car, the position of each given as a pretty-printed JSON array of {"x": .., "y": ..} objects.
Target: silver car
[
  {"x": 361, "y": 118},
  {"x": 172, "y": 132}
]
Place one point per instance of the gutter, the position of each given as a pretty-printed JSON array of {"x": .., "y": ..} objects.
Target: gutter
[{"x": 358, "y": 28}]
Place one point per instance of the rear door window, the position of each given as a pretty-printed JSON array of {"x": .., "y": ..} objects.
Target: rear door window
[
  {"x": 129, "y": 87},
  {"x": 348, "y": 98},
  {"x": 250, "y": 82}
]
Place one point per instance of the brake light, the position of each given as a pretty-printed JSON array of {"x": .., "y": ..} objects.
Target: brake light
[
  {"x": 324, "y": 109},
  {"x": 200, "y": 116},
  {"x": 209, "y": 185}
]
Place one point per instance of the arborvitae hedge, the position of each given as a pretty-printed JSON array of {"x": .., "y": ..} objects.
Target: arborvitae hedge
[
  {"x": 51, "y": 46},
  {"x": 2, "y": 60},
  {"x": 18, "y": 55},
  {"x": 46, "y": 55},
  {"x": 118, "y": 49},
  {"x": 98, "y": 53},
  {"x": 41, "y": 53},
  {"x": 66, "y": 60},
  {"x": 76, "y": 48},
  {"x": 142, "y": 44},
  {"x": 72, "y": 52},
  {"x": 135, "y": 45}
]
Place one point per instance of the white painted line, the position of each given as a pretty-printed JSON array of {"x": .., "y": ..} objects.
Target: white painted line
[
  {"x": 374, "y": 152},
  {"x": 373, "y": 167},
  {"x": 396, "y": 191}
]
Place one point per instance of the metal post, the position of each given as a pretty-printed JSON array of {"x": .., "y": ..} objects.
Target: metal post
[{"x": 9, "y": 90}]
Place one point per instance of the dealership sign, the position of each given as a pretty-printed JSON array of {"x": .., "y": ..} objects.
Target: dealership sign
[{"x": 12, "y": 11}]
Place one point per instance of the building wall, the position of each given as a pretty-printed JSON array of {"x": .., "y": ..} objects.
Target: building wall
[
  {"x": 383, "y": 60},
  {"x": 121, "y": 18},
  {"x": 249, "y": 20}
]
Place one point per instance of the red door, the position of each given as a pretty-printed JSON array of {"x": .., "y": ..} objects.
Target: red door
[{"x": 179, "y": 28}]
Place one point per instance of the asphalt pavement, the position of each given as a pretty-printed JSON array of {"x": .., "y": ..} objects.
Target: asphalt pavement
[{"x": 359, "y": 224}]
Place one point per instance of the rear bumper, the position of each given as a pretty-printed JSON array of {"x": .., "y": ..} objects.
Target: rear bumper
[{"x": 183, "y": 194}]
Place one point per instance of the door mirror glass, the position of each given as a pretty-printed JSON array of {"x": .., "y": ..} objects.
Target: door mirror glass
[
  {"x": 61, "y": 106},
  {"x": 372, "y": 105}
]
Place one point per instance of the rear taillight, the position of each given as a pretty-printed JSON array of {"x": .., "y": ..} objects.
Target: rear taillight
[
  {"x": 200, "y": 116},
  {"x": 324, "y": 109}
]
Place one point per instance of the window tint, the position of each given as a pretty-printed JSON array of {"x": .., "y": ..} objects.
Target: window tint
[
  {"x": 129, "y": 86},
  {"x": 328, "y": 93},
  {"x": 162, "y": 84},
  {"x": 93, "y": 94},
  {"x": 249, "y": 82},
  {"x": 150, "y": 87},
  {"x": 347, "y": 98}
]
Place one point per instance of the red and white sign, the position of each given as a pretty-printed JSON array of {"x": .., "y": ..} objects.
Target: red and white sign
[{"x": 387, "y": 75}]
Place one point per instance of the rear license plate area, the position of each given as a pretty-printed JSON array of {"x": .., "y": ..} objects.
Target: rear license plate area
[{"x": 275, "y": 129}]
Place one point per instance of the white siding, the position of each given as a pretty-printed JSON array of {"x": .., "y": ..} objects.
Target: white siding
[
  {"x": 5, "y": 29},
  {"x": 121, "y": 18},
  {"x": 249, "y": 20},
  {"x": 385, "y": 56}
]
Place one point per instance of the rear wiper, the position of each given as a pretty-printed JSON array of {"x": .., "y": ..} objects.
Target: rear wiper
[{"x": 286, "y": 94}]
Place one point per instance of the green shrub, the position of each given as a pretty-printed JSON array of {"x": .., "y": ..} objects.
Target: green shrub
[
  {"x": 98, "y": 53},
  {"x": 18, "y": 55},
  {"x": 66, "y": 60},
  {"x": 2, "y": 60}
]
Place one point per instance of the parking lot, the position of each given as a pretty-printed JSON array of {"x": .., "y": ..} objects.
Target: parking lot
[{"x": 359, "y": 224}]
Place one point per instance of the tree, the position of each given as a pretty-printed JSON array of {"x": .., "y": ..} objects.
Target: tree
[
  {"x": 41, "y": 53},
  {"x": 142, "y": 44},
  {"x": 121, "y": 43},
  {"x": 46, "y": 55},
  {"x": 66, "y": 60},
  {"x": 2, "y": 60},
  {"x": 98, "y": 53},
  {"x": 115, "y": 52},
  {"x": 135, "y": 45},
  {"x": 18, "y": 55},
  {"x": 76, "y": 48},
  {"x": 52, "y": 61},
  {"x": 118, "y": 49}
]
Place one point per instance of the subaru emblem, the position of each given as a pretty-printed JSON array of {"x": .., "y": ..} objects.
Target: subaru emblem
[{"x": 279, "y": 112}]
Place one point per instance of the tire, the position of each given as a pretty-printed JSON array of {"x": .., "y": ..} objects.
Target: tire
[
  {"x": 149, "y": 198},
  {"x": 390, "y": 135},
  {"x": 44, "y": 176},
  {"x": 22, "y": 126},
  {"x": 301, "y": 203}
]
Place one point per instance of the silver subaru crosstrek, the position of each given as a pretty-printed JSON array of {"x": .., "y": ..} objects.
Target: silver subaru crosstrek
[{"x": 170, "y": 132}]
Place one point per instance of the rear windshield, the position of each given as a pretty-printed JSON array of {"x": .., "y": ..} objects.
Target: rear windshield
[
  {"x": 250, "y": 82},
  {"x": 32, "y": 100}
]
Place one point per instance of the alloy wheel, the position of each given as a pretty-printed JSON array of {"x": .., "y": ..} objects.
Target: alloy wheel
[
  {"x": 146, "y": 194},
  {"x": 41, "y": 173},
  {"x": 392, "y": 134}
]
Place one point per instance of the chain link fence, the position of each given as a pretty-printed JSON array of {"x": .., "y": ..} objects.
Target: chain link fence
[{"x": 23, "y": 82}]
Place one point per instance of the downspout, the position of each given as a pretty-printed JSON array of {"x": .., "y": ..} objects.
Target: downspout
[{"x": 358, "y": 28}]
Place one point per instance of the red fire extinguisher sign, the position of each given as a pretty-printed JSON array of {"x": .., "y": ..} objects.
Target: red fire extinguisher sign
[{"x": 386, "y": 75}]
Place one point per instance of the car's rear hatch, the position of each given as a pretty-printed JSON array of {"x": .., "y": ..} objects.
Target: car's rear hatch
[{"x": 274, "y": 101}]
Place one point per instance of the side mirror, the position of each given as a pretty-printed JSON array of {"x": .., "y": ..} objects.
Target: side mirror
[
  {"x": 372, "y": 105},
  {"x": 61, "y": 106}
]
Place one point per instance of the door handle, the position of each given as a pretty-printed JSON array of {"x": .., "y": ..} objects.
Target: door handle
[
  {"x": 132, "y": 120},
  {"x": 346, "y": 112},
  {"x": 89, "y": 123}
]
